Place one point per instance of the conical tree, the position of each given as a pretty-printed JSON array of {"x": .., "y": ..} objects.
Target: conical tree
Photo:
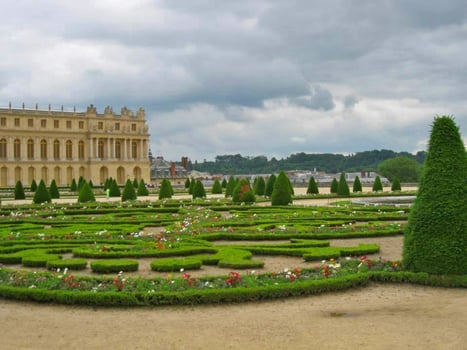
[
  {"x": 73, "y": 186},
  {"x": 270, "y": 185},
  {"x": 334, "y": 185},
  {"x": 230, "y": 187},
  {"x": 377, "y": 185},
  {"x": 85, "y": 193},
  {"x": 216, "y": 187},
  {"x": 19, "y": 190},
  {"x": 224, "y": 183},
  {"x": 192, "y": 186},
  {"x": 33, "y": 187},
  {"x": 53, "y": 190},
  {"x": 292, "y": 192},
  {"x": 135, "y": 183},
  {"x": 165, "y": 190},
  {"x": 435, "y": 238},
  {"x": 198, "y": 190},
  {"x": 91, "y": 184},
  {"x": 260, "y": 186},
  {"x": 142, "y": 190},
  {"x": 41, "y": 195},
  {"x": 107, "y": 183},
  {"x": 187, "y": 183},
  {"x": 343, "y": 188},
  {"x": 281, "y": 194},
  {"x": 129, "y": 193},
  {"x": 357, "y": 185},
  {"x": 396, "y": 185},
  {"x": 114, "y": 190},
  {"x": 243, "y": 192},
  {"x": 312, "y": 186},
  {"x": 81, "y": 181}
]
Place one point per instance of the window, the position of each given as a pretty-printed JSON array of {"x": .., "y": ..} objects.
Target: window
[
  {"x": 43, "y": 149},
  {"x": 56, "y": 149},
  {"x": 69, "y": 149},
  {"x": 81, "y": 125},
  {"x": 133, "y": 127},
  {"x": 31, "y": 123},
  {"x": 100, "y": 149},
  {"x": 117, "y": 126},
  {"x": 56, "y": 124},
  {"x": 134, "y": 150},
  {"x": 17, "y": 122},
  {"x": 43, "y": 123},
  {"x": 100, "y": 125},
  {"x": 3, "y": 148},
  {"x": 68, "y": 124},
  {"x": 81, "y": 150},
  {"x": 118, "y": 149},
  {"x": 17, "y": 149},
  {"x": 2, "y": 121},
  {"x": 30, "y": 149}
]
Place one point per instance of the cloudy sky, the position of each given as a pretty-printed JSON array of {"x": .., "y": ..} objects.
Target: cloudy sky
[{"x": 254, "y": 77}]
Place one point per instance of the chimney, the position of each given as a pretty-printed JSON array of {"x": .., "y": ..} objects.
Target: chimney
[{"x": 173, "y": 171}]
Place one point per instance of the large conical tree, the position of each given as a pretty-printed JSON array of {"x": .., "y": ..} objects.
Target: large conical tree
[
  {"x": 243, "y": 193},
  {"x": 230, "y": 187},
  {"x": 53, "y": 190},
  {"x": 334, "y": 186},
  {"x": 73, "y": 186},
  {"x": 312, "y": 186},
  {"x": 216, "y": 187},
  {"x": 198, "y": 190},
  {"x": 19, "y": 190},
  {"x": 114, "y": 191},
  {"x": 224, "y": 183},
  {"x": 41, "y": 195},
  {"x": 270, "y": 185},
  {"x": 135, "y": 183},
  {"x": 396, "y": 185},
  {"x": 377, "y": 185},
  {"x": 343, "y": 187},
  {"x": 129, "y": 193},
  {"x": 357, "y": 185},
  {"x": 260, "y": 186},
  {"x": 33, "y": 187},
  {"x": 435, "y": 239},
  {"x": 142, "y": 189},
  {"x": 85, "y": 193},
  {"x": 281, "y": 194},
  {"x": 165, "y": 191}
]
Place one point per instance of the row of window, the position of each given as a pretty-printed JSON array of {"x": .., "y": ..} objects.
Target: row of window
[
  {"x": 68, "y": 149},
  {"x": 56, "y": 123}
]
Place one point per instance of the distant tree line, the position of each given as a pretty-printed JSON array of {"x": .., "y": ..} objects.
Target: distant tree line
[{"x": 327, "y": 162}]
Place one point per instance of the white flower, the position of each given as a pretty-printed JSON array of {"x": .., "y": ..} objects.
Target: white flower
[{"x": 182, "y": 269}]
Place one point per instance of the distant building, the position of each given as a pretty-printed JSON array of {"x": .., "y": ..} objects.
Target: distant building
[{"x": 162, "y": 169}]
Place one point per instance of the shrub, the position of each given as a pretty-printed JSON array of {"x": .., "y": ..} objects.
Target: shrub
[
  {"x": 70, "y": 264},
  {"x": 114, "y": 191},
  {"x": 73, "y": 186},
  {"x": 187, "y": 183},
  {"x": 86, "y": 194},
  {"x": 270, "y": 185},
  {"x": 260, "y": 186},
  {"x": 91, "y": 184},
  {"x": 53, "y": 190},
  {"x": 334, "y": 185},
  {"x": 343, "y": 188},
  {"x": 19, "y": 190},
  {"x": 435, "y": 239},
  {"x": 117, "y": 265},
  {"x": 230, "y": 187},
  {"x": 281, "y": 194},
  {"x": 198, "y": 190},
  {"x": 216, "y": 187},
  {"x": 176, "y": 264},
  {"x": 41, "y": 195},
  {"x": 81, "y": 181},
  {"x": 377, "y": 185},
  {"x": 243, "y": 193},
  {"x": 312, "y": 186},
  {"x": 142, "y": 190},
  {"x": 192, "y": 186},
  {"x": 39, "y": 260},
  {"x": 224, "y": 183},
  {"x": 357, "y": 185},
  {"x": 129, "y": 193},
  {"x": 396, "y": 185},
  {"x": 33, "y": 186},
  {"x": 135, "y": 183},
  {"x": 165, "y": 190}
]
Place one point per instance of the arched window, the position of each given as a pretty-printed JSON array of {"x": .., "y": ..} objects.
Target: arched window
[
  {"x": 58, "y": 175},
  {"x": 17, "y": 149},
  {"x": 81, "y": 149},
  {"x": 30, "y": 149},
  {"x": 69, "y": 150},
  {"x": 43, "y": 149},
  {"x": 56, "y": 149},
  {"x": 3, "y": 153}
]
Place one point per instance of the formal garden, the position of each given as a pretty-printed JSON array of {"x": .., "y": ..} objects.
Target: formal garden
[{"x": 200, "y": 249}]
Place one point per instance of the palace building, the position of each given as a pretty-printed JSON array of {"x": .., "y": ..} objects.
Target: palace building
[{"x": 61, "y": 145}]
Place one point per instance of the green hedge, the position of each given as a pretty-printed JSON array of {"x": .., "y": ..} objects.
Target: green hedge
[
  {"x": 39, "y": 260},
  {"x": 166, "y": 265},
  {"x": 71, "y": 264},
  {"x": 110, "y": 266}
]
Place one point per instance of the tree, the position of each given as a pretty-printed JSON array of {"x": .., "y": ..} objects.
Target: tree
[
  {"x": 260, "y": 187},
  {"x": 135, "y": 183},
  {"x": 41, "y": 195},
  {"x": 187, "y": 183},
  {"x": 230, "y": 187},
  {"x": 73, "y": 186},
  {"x": 270, "y": 185},
  {"x": 129, "y": 193},
  {"x": 377, "y": 185},
  {"x": 404, "y": 168},
  {"x": 312, "y": 186},
  {"x": 243, "y": 192},
  {"x": 114, "y": 190},
  {"x": 343, "y": 187},
  {"x": 165, "y": 190},
  {"x": 85, "y": 193},
  {"x": 281, "y": 194},
  {"x": 53, "y": 190},
  {"x": 142, "y": 190},
  {"x": 198, "y": 190},
  {"x": 81, "y": 181},
  {"x": 357, "y": 185},
  {"x": 216, "y": 187},
  {"x": 224, "y": 183},
  {"x": 396, "y": 185},
  {"x": 33, "y": 186},
  {"x": 192, "y": 186},
  {"x": 107, "y": 183},
  {"x": 19, "y": 190},
  {"x": 90, "y": 184},
  {"x": 334, "y": 186},
  {"x": 435, "y": 238}
]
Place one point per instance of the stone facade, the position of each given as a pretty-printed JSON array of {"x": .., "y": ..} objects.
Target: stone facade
[{"x": 61, "y": 145}]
